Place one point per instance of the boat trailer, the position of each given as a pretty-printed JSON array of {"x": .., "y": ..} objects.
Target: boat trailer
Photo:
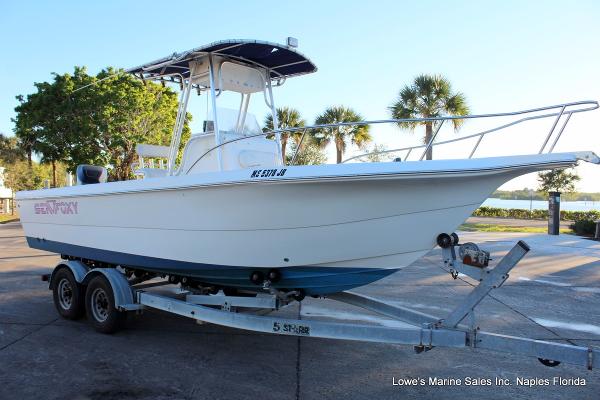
[{"x": 109, "y": 295}]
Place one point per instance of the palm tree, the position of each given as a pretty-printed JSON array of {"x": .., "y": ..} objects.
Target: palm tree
[
  {"x": 341, "y": 135},
  {"x": 287, "y": 118},
  {"x": 427, "y": 97}
]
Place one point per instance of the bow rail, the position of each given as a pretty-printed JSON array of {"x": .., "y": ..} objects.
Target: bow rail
[
  {"x": 589, "y": 105},
  {"x": 565, "y": 110}
]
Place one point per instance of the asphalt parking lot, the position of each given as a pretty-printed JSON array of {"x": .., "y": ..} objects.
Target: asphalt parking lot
[{"x": 554, "y": 294}]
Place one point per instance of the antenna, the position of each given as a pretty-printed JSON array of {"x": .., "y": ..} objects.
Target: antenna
[{"x": 292, "y": 42}]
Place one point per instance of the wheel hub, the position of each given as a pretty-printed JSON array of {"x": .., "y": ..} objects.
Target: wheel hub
[
  {"x": 65, "y": 294},
  {"x": 100, "y": 305}
]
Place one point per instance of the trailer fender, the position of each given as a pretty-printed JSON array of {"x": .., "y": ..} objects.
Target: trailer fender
[
  {"x": 122, "y": 292},
  {"x": 78, "y": 269}
]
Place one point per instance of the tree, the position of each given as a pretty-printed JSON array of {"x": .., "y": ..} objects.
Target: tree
[
  {"x": 46, "y": 121},
  {"x": 134, "y": 112},
  {"x": 9, "y": 150},
  {"x": 287, "y": 118},
  {"x": 375, "y": 155},
  {"x": 558, "y": 180},
  {"x": 84, "y": 119},
  {"x": 24, "y": 128},
  {"x": 21, "y": 176},
  {"x": 341, "y": 135},
  {"x": 309, "y": 154},
  {"x": 429, "y": 96}
]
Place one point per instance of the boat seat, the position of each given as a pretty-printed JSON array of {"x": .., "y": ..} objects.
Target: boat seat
[
  {"x": 152, "y": 152},
  {"x": 90, "y": 174},
  {"x": 192, "y": 146}
]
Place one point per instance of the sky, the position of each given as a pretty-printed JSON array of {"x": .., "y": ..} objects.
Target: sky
[{"x": 503, "y": 55}]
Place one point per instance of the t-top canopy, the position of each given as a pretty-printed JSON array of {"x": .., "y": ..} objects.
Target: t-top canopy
[{"x": 282, "y": 60}]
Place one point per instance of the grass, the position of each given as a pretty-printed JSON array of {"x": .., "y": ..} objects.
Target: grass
[
  {"x": 470, "y": 227},
  {"x": 8, "y": 218}
]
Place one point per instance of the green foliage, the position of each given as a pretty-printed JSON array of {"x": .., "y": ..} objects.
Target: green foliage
[
  {"x": 579, "y": 215},
  {"x": 84, "y": 119},
  {"x": 584, "y": 227},
  {"x": 47, "y": 172},
  {"x": 558, "y": 180},
  {"x": 310, "y": 154},
  {"x": 374, "y": 154},
  {"x": 25, "y": 130},
  {"x": 580, "y": 196},
  {"x": 510, "y": 213},
  {"x": 4, "y": 218},
  {"x": 535, "y": 214},
  {"x": 9, "y": 150},
  {"x": 523, "y": 194},
  {"x": 356, "y": 134},
  {"x": 20, "y": 176},
  {"x": 287, "y": 118},
  {"x": 429, "y": 96}
]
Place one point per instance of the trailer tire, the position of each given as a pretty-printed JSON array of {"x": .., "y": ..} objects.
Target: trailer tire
[
  {"x": 100, "y": 306},
  {"x": 68, "y": 294}
]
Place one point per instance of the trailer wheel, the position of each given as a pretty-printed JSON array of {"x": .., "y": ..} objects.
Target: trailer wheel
[
  {"x": 100, "y": 306},
  {"x": 67, "y": 294}
]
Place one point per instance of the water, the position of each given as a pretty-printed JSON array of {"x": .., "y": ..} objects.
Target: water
[{"x": 543, "y": 205}]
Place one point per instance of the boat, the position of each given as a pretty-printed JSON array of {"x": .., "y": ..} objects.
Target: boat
[{"x": 233, "y": 215}]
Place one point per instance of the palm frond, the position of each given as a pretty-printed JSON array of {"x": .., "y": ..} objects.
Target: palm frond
[
  {"x": 428, "y": 96},
  {"x": 457, "y": 105},
  {"x": 340, "y": 135}
]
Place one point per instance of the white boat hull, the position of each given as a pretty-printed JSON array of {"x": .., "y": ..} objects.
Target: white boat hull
[{"x": 366, "y": 220}]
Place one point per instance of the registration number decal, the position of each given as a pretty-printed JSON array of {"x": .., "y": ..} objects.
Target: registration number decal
[
  {"x": 292, "y": 329},
  {"x": 267, "y": 173}
]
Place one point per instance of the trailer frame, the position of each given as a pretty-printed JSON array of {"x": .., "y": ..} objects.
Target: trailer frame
[{"x": 424, "y": 333}]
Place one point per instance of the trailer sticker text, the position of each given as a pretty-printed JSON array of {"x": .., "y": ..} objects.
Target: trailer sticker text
[
  {"x": 54, "y": 207},
  {"x": 293, "y": 329}
]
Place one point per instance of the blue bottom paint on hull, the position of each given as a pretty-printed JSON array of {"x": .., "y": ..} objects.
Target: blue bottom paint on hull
[{"x": 313, "y": 280}]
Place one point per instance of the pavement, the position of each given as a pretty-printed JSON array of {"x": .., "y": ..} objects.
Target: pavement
[{"x": 553, "y": 294}]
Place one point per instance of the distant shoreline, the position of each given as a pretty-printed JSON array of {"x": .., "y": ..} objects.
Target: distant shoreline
[{"x": 541, "y": 204}]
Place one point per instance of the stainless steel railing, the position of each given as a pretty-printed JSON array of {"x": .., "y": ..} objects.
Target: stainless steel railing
[
  {"x": 558, "y": 111},
  {"x": 566, "y": 109}
]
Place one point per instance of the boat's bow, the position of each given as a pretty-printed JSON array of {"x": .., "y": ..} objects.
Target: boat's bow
[{"x": 588, "y": 156}]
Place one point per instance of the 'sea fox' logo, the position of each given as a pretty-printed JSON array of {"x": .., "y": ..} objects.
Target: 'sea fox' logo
[{"x": 56, "y": 207}]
